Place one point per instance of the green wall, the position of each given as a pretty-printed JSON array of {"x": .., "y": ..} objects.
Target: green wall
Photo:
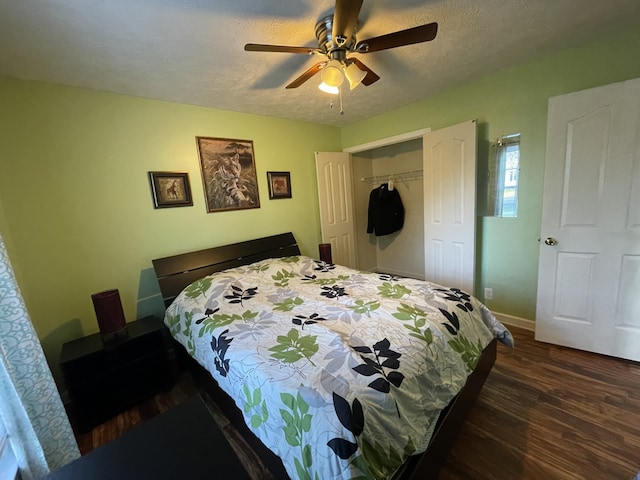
[
  {"x": 78, "y": 213},
  {"x": 76, "y": 209},
  {"x": 512, "y": 101}
]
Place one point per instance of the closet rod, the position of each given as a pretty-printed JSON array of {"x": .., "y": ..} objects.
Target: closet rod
[{"x": 402, "y": 176}]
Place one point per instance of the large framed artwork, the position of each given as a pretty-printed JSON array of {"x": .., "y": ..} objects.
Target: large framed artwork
[
  {"x": 170, "y": 189},
  {"x": 228, "y": 173}
]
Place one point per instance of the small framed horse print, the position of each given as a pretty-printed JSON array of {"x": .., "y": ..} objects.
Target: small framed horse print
[
  {"x": 228, "y": 173},
  {"x": 170, "y": 189},
  {"x": 279, "y": 185}
]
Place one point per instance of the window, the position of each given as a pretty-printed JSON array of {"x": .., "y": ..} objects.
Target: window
[{"x": 504, "y": 172}]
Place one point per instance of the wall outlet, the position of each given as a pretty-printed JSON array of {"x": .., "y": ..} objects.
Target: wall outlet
[{"x": 488, "y": 293}]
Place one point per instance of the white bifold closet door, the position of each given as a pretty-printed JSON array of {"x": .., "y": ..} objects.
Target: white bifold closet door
[
  {"x": 449, "y": 162},
  {"x": 335, "y": 195}
]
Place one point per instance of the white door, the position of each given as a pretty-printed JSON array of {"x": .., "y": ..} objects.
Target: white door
[
  {"x": 589, "y": 268},
  {"x": 450, "y": 205},
  {"x": 335, "y": 192}
]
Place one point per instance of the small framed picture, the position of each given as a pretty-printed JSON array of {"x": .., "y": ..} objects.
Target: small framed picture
[
  {"x": 170, "y": 189},
  {"x": 279, "y": 185}
]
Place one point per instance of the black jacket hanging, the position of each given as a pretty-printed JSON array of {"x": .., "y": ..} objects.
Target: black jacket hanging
[{"x": 386, "y": 212}]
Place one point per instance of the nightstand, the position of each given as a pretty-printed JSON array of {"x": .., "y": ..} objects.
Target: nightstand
[
  {"x": 183, "y": 442},
  {"x": 104, "y": 380}
]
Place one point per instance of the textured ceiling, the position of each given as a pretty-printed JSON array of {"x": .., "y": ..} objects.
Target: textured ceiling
[{"x": 191, "y": 51}]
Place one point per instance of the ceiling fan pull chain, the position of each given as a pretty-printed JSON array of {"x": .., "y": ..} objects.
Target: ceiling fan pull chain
[{"x": 340, "y": 93}]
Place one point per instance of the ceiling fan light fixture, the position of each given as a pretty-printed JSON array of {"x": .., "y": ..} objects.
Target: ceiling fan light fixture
[
  {"x": 329, "y": 89},
  {"x": 354, "y": 75},
  {"x": 332, "y": 73}
]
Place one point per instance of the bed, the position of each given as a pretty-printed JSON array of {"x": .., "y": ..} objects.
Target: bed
[{"x": 326, "y": 371}]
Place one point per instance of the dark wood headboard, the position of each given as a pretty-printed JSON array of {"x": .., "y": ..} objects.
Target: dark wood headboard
[{"x": 178, "y": 271}]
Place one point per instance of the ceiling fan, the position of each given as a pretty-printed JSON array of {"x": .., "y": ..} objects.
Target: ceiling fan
[{"x": 336, "y": 35}]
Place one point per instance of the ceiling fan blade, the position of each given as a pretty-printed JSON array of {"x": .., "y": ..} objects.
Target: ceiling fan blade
[
  {"x": 345, "y": 20},
  {"x": 306, "y": 75},
  {"x": 422, "y": 33},
  {"x": 371, "y": 76},
  {"x": 258, "y": 47}
]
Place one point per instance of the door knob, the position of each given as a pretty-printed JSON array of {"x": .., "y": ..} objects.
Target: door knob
[{"x": 550, "y": 241}]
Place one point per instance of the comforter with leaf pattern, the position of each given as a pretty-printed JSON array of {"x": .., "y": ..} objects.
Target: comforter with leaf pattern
[{"x": 341, "y": 373}]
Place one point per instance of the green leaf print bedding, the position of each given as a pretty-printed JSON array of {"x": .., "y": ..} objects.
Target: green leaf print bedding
[{"x": 341, "y": 373}]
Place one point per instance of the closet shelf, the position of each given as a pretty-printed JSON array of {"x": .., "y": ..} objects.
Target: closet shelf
[{"x": 402, "y": 176}]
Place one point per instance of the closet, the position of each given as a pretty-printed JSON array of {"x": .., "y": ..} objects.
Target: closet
[
  {"x": 402, "y": 252},
  {"x": 437, "y": 242}
]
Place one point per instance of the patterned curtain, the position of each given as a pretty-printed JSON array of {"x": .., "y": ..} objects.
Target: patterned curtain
[{"x": 30, "y": 405}]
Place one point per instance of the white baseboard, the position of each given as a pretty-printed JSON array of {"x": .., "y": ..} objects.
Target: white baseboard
[{"x": 516, "y": 321}]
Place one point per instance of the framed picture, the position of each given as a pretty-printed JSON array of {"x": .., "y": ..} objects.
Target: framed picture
[
  {"x": 279, "y": 185},
  {"x": 228, "y": 173},
  {"x": 170, "y": 189}
]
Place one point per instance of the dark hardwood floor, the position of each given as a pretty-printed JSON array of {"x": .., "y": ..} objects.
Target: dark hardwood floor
[
  {"x": 545, "y": 412},
  {"x": 548, "y": 412}
]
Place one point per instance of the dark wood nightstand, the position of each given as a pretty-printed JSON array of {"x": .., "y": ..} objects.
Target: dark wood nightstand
[
  {"x": 104, "y": 380},
  {"x": 183, "y": 442}
]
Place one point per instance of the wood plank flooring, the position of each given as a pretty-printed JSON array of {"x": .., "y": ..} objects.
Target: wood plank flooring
[
  {"x": 548, "y": 412},
  {"x": 545, "y": 412}
]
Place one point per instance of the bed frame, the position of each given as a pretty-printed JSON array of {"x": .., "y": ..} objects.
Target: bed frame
[{"x": 176, "y": 272}]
